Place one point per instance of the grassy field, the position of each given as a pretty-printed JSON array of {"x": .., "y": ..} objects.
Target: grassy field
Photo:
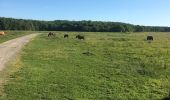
[
  {"x": 105, "y": 66},
  {"x": 13, "y": 34}
]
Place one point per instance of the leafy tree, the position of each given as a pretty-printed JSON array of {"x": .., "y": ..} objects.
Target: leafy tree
[{"x": 64, "y": 25}]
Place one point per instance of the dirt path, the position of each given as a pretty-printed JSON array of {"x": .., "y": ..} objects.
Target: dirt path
[{"x": 9, "y": 49}]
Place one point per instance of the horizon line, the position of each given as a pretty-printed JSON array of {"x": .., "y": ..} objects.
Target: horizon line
[{"x": 84, "y": 20}]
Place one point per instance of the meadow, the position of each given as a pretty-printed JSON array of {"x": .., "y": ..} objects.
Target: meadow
[
  {"x": 13, "y": 34},
  {"x": 104, "y": 66}
]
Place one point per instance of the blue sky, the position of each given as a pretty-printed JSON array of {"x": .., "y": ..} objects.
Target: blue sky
[{"x": 140, "y": 12}]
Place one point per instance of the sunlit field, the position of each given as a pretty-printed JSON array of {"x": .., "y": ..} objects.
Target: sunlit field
[
  {"x": 104, "y": 66},
  {"x": 13, "y": 34}
]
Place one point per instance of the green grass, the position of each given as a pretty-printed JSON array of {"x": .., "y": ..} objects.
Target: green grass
[
  {"x": 13, "y": 34},
  {"x": 106, "y": 66}
]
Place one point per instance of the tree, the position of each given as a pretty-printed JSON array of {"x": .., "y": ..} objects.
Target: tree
[{"x": 65, "y": 25}]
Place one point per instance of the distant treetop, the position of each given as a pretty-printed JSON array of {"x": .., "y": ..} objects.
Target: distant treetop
[{"x": 65, "y": 25}]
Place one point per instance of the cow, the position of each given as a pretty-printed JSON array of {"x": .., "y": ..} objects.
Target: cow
[
  {"x": 149, "y": 37},
  {"x": 80, "y": 37},
  {"x": 50, "y": 34},
  {"x": 65, "y": 35},
  {"x": 2, "y": 33}
]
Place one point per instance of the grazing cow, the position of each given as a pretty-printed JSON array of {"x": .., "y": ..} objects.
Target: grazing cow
[
  {"x": 2, "y": 33},
  {"x": 50, "y": 34},
  {"x": 65, "y": 35},
  {"x": 149, "y": 37},
  {"x": 80, "y": 37}
]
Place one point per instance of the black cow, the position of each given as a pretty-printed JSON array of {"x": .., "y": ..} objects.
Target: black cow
[
  {"x": 149, "y": 37},
  {"x": 65, "y": 35},
  {"x": 50, "y": 34},
  {"x": 80, "y": 37}
]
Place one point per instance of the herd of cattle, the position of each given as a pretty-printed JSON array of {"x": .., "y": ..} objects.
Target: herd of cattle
[{"x": 80, "y": 37}]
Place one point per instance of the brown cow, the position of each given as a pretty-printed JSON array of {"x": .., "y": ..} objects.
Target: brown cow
[
  {"x": 51, "y": 34},
  {"x": 80, "y": 37},
  {"x": 150, "y": 37},
  {"x": 65, "y": 35},
  {"x": 2, "y": 33}
]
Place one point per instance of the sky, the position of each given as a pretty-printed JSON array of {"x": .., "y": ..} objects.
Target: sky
[{"x": 138, "y": 12}]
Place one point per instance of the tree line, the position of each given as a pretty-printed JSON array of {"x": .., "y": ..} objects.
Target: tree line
[{"x": 65, "y": 25}]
